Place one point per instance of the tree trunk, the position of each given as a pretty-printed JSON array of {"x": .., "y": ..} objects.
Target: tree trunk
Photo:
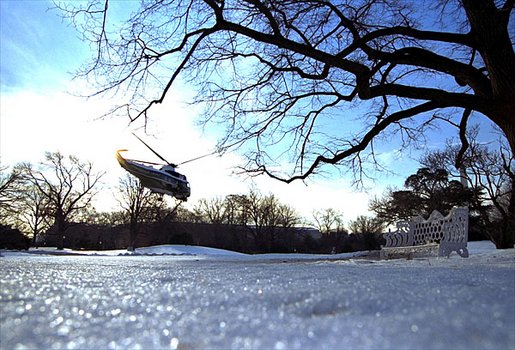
[
  {"x": 60, "y": 223},
  {"x": 506, "y": 237},
  {"x": 34, "y": 240},
  {"x": 491, "y": 37},
  {"x": 133, "y": 234}
]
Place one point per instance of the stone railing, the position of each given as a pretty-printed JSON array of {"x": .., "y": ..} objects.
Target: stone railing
[{"x": 447, "y": 234}]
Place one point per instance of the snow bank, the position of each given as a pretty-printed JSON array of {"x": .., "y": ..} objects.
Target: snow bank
[
  {"x": 187, "y": 251},
  {"x": 475, "y": 248},
  {"x": 481, "y": 247}
]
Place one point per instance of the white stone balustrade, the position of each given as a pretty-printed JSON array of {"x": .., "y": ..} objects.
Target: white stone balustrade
[{"x": 448, "y": 234}]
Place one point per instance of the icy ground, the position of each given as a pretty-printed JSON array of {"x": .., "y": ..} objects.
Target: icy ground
[{"x": 192, "y": 297}]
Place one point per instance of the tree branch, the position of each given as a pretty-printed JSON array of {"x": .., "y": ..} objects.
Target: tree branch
[
  {"x": 357, "y": 148},
  {"x": 463, "y": 138}
]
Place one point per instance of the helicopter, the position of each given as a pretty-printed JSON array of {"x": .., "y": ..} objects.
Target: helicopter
[{"x": 164, "y": 180}]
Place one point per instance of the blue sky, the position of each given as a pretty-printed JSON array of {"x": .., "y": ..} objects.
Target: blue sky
[
  {"x": 38, "y": 48},
  {"x": 38, "y": 55}
]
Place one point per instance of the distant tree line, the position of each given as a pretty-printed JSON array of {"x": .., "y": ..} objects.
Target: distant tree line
[
  {"x": 55, "y": 195},
  {"x": 54, "y": 199}
]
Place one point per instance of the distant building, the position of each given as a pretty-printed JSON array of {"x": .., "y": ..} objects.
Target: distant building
[
  {"x": 85, "y": 236},
  {"x": 232, "y": 237}
]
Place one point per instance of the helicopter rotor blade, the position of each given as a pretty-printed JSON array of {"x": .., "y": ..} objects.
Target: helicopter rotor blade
[
  {"x": 197, "y": 158},
  {"x": 153, "y": 151}
]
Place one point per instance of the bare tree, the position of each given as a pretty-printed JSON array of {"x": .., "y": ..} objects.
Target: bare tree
[
  {"x": 236, "y": 209},
  {"x": 182, "y": 214},
  {"x": 288, "y": 216},
  {"x": 265, "y": 216},
  {"x": 327, "y": 220},
  {"x": 139, "y": 203},
  {"x": 369, "y": 229},
  {"x": 275, "y": 72},
  {"x": 276, "y": 218},
  {"x": 212, "y": 211},
  {"x": 366, "y": 225},
  {"x": 66, "y": 183},
  {"x": 33, "y": 211},
  {"x": 106, "y": 218},
  {"x": 490, "y": 170},
  {"x": 22, "y": 205},
  {"x": 9, "y": 194}
]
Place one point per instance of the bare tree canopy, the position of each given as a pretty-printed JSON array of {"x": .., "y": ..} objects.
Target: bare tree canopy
[
  {"x": 366, "y": 225},
  {"x": 291, "y": 78},
  {"x": 9, "y": 184},
  {"x": 328, "y": 220},
  {"x": 490, "y": 172},
  {"x": 267, "y": 68},
  {"x": 137, "y": 203},
  {"x": 66, "y": 184}
]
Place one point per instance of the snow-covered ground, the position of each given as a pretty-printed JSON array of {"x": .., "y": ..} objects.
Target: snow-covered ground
[{"x": 195, "y": 297}]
